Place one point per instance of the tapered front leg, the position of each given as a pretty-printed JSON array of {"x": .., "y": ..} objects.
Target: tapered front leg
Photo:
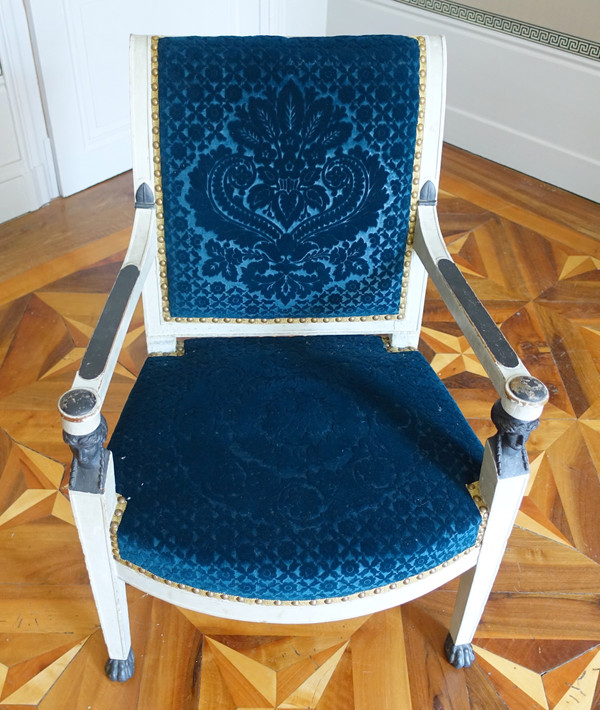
[
  {"x": 504, "y": 476},
  {"x": 93, "y": 500}
]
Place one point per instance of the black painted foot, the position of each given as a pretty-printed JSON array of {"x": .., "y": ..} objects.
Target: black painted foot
[
  {"x": 459, "y": 656},
  {"x": 120, "y": 670}
]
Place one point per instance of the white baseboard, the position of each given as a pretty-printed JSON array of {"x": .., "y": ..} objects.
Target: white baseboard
[
  {"x": 21, "y": 192},
  {"x": 523, "y": 105},
  {"x": 553, "y": 163}
]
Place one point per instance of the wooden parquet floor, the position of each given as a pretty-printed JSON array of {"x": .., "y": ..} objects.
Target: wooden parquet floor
[{"x": 532, "y": 253}]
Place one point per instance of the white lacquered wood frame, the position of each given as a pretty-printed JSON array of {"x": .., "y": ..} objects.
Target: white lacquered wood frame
[
  {"x": 161, "y": 334},
  {"x": 430, "y": 246},
  {"x": 138, "y": 255}
]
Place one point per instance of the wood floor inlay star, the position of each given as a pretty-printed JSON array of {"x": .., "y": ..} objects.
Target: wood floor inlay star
[
  {"x": 255, "y": 679},
  {"x": 535, "y": 262}
]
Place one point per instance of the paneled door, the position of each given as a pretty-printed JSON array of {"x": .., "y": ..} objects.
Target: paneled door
[{"x": 82, "y": 51}]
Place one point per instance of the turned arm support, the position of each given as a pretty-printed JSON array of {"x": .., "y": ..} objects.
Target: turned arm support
[{"x": 522, "y": 396}]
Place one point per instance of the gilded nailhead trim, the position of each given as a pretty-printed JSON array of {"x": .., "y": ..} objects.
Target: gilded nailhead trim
[
  {"x": 166, "y": 311},
  {"x": 387, "y": 342},
  {"x": 180, "y": 350},
  {"x": 473, "y": 489}
]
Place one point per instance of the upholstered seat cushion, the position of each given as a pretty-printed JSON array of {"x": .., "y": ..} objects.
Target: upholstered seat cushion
[{"x": 293, "y": 468}]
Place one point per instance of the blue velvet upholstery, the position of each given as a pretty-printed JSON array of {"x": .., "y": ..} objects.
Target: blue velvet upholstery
[
  {"x": 293, "y": 468},
  {"x": 286, "y": 169}
]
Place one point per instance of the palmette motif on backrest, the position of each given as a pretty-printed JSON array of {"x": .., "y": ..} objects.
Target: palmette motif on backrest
[{"x": 285, "y": 174}]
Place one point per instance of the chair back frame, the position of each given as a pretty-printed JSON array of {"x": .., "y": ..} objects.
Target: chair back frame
[{"x": 162, "y": 333}]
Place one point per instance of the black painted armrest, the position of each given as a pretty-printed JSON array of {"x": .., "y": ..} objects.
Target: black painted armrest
[
  {"x": 491, "y": 335},
  {"x": 80, "y": 407},
  {"x": 99, "y": 348},
  {"x": 96, "y": 356}
]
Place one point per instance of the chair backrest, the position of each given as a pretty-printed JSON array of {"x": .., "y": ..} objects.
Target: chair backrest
[{"x": 286, "y": 173}]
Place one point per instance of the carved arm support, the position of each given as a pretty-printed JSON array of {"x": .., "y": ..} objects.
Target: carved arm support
[
  {"x": 508, "y": 444},
  {"x": 90, "y": 458}
]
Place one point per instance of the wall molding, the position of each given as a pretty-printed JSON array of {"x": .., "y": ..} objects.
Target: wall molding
[
  {"x": 520, "y": 104},
  {"x": 272, "y": 17},
  {"x": 547, "y": 36}
]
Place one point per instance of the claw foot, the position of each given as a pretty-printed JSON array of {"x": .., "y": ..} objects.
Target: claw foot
[
  {"x": 459, "y": 656},
  {"x": 120, "y": 670}
]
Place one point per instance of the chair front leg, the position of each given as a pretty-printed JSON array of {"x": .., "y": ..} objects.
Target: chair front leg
[
  {"x": 93, "y": 499},
  {"x": 504, "y": 476}
]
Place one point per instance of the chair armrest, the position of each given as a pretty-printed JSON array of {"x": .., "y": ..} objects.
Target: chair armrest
[
  {"x": 98, "y": 351},
  {"x": 522, "y": 396},
  {"x": 80, "y": 406}
]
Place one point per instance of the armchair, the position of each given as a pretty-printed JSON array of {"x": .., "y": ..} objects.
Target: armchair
[{"x": 286, "y": 454}]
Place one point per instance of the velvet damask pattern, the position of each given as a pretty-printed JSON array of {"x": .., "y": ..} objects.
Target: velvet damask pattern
[
  {"x": 319, "y": 467},
  {"x": 286, "y": 168}
]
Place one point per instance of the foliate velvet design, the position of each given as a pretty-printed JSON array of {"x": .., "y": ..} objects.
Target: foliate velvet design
[
  {"x": 293, "y": 468},
  {"x": 286, "y": 169}
]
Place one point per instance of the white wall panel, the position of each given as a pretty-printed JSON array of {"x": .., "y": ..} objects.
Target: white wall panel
[
  {"x": 529, "y": 107},
  {"x": 82, "y": 49},
  {"x": 27, "y": 178},
  {"x": 304, "y": 18},
  {"x": 9, "y": 146}
]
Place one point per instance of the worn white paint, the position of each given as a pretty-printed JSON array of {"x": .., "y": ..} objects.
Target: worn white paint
[
  {"x": 503, "y": 497},
  {"x": 303, "y": 613},
  {"x": 430, "y": 246},
  {"x": 138, "y": 255}
]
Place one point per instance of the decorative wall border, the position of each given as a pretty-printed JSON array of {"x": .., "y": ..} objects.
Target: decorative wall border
[{"x": 507, "y": 25}]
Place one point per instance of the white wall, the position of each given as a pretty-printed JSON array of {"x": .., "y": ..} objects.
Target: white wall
[
  {"x": 523, "y": 105},
  {"x": 300, "y": 18}
]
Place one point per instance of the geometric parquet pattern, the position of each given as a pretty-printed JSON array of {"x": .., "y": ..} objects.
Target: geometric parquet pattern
[{"x": 532, "y": 254}]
